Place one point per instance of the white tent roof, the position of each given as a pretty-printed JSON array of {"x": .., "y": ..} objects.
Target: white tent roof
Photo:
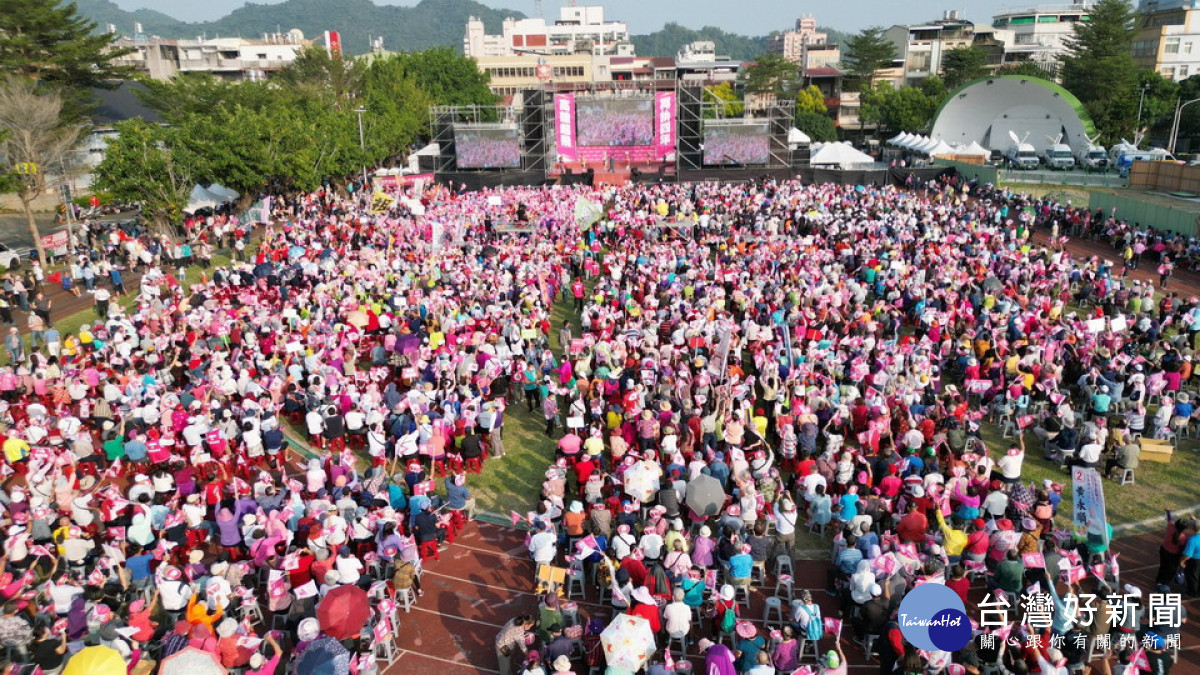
[
  {"x": 942, "y": 148},
  {"x": 209, "y": 197},
  {"x": 924, "y": 146},
  {"x": 840, "y": 154},
  {"x": 797, "y": 136},
  {"x": 898, "y": 139},
  {"x": 975, "y": 149},
  {"x": 915, "y": 141},
  {"x": 433, "y": 149}
]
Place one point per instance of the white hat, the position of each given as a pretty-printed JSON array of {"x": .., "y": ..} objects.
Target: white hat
[
  {"x": 727, "y": 592},
  {"x": 256, "y": 661},
  {"x": 642, "y": 595}
]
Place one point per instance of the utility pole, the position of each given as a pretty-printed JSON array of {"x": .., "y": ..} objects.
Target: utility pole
[{"x": 362, "y": 141}]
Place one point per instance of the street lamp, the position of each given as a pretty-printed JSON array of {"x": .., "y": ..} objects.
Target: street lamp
[
  {"x": 1175, "y": 125},
  {"x": 1141, "y": 100},
  {"x": 361, "y": 141}
]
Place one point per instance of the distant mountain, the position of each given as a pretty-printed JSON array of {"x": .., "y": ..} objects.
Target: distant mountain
[
  {"x": 431, "y": 23},
  {"x": 672, "y": 37}
]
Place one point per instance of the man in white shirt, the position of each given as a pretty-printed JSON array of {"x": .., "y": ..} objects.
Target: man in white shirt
[
  {"x": 63, "y": 592},
  {"x": 543, "y": 546},
  {"x": 1010, "y": 463},
  {"x": 677, "y": 616},
  {"x": 348, "y": 567}
]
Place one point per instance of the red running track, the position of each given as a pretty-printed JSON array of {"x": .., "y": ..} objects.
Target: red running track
[{"x": 485, "y": 578}]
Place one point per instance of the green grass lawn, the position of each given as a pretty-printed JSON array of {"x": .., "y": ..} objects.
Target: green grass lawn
[
  {"x": 1158, "y": 487},
  {"x": 514, "y": 481}
]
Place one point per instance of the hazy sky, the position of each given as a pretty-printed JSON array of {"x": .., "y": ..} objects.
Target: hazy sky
[{"x": 751, "y": 17}]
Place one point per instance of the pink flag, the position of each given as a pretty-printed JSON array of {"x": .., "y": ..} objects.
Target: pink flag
[
  {"x": 516, "y": 517},
  {"x": 1139, "y": 661}
]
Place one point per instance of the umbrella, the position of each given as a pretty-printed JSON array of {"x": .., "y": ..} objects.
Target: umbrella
[
  {"x": 344, "y": 612},
  {"x": 96, "y": 661},
  {"x": 705, "y": 495},
  {"x": 192, "y": 661},
  {"x": 357, "y": 318},
  {"x": 323, "y": 656},
  {"x": 263, "y": 270},
  {"x": 641, "y": 481},
  {"x": 628, "y": 642}
]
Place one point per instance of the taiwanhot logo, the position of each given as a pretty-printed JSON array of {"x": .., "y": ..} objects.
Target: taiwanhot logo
[{"x": 932, "y": 617}]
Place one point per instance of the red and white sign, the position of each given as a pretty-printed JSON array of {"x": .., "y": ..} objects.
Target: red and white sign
[
  {"x": 333, "y": 44},
  {"x": 56, "y": 243},
  {"x": 564, "y": 125}
]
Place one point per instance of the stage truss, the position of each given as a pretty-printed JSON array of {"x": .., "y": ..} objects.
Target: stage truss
[{"x": 694, "y": 111}]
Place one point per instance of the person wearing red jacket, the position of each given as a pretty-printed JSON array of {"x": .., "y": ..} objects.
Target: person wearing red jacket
[
  {"x": 913, "y": 526},
  {"x": 643, "y": 605}
]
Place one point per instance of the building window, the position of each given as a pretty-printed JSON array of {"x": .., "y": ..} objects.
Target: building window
[
  {"x": 1020, "y": 20},
  {"x": 1187, "y": 48},
  {"x": 1183, "y": 72},
  {"x": 1049, "y": 18},
  {"x": 1168, "y": 73},
  {"x": 1171, "y": 46}
]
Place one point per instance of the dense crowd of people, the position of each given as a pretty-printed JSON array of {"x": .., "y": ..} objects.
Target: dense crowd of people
[{"x": 259, "y": 465}]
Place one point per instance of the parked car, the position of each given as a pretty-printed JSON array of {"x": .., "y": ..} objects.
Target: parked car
[{"x": 10, "y": 258}]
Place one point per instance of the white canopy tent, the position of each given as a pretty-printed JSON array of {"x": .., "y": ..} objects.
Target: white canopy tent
[
  {"x": 797, "y": 137},
  {"x": 209, "y": 197},
  {"x": 939, "y": 149},
  {"x": 976, "y": 149},
  {"x": 840, "y": 154}
]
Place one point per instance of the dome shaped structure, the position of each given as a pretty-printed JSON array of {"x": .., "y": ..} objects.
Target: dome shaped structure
[{"x": 1037, "y": 111}]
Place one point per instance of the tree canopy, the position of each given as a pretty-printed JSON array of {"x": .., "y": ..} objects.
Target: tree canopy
[
  {"x": 963, "y": 64},
  {"x": 36, "y": 138},
  {"x": 1098, "y": 67},
  {"x": 820, "y": 128},
  {"x": 770, "y": 75},
  {"x": 296, "y": 132},
  {"x": 904, "y": 109},
  {"x": 864, "y": 53}
]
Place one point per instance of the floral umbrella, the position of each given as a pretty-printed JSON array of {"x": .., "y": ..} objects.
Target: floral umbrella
[
  {"x": 628, "y": 642},
  {"x": 641, "y": 481}
]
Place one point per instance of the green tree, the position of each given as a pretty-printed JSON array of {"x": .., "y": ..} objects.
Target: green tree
[
  {"x": 864, "y": 53},
  {"x": 904, "y": 109},
  {"x": 820, "y": 128},
  {"x": 50, "y": 43},
  {"x": 146, "y": 165},
  {"x": 397, "y": 109},
  {"x": 1027, "y": 69},
  {"x": 963, "y": 64},
  {"x": 724, "y": 100},
  {"x": 200, "y": 94},
  {"x": 810, "y": 100},
  {"x": 317, "y": 75},
  {"x": 1098, "y": 67},
  {"x": 449, "y": 78},
  {"x": 770, "y": 75},
  {"x": 36, "y": 138}
]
